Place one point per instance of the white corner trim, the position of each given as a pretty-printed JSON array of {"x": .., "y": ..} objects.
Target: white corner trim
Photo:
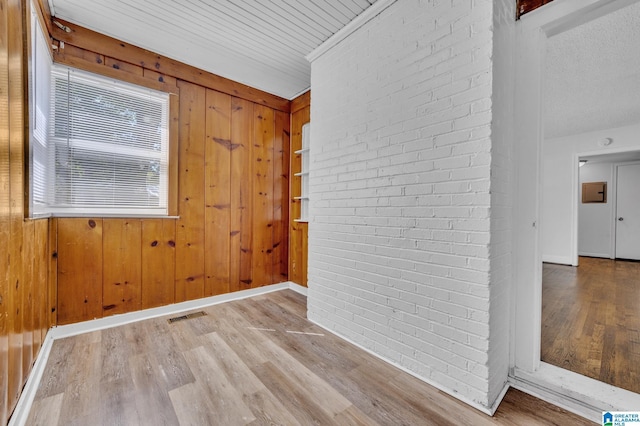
[
  {"x": 23, "y": 407},
  {"x": 486, "y": 410},
  {"x": 302, "y": 92},
  {"x": 298, "y": 288},
  {"x": 499, "y": 399},
  {"x": 21, "y": 412},
  {"x": 368, "y": 14}
]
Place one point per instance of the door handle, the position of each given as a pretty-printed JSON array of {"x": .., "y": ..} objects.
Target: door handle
[{"x": 620, "y": 219}]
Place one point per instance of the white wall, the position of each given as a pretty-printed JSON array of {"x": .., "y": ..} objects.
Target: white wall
[
  {"x": 560, "y": 185},
  {"x": 401, "y": 248},
  {"x": 500, "y": 248},
  {"x": 594, "y": 219}
]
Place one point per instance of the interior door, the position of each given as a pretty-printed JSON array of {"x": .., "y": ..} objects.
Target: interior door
[{"x": 628, "y": 212}]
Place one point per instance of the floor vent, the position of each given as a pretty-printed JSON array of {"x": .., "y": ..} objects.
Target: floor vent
[{"x": 187, "y": 316}]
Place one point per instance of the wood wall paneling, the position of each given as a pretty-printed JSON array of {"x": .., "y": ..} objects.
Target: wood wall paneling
[
  {"x": 52, "y": 286},
  {"x": 218, "y": 192},
  {"x": 110, "y": 47},
  {"x": 26, "y": 308},
  {"x": 158, "y": 262},
  {"x": 41, "y": 278},
  {"x": 224, "y": 141},
  {"x": 5, "y": 218},
  {"x": 241, "y": 199},
  {"x": 298, "y": 231},
  {"x": 190, "y": 227},
  {"x": 79, "y": 269},
  {"x": 526, "y": 6},
  {"x": 23, "y": 280},
  {"x": 281, "y": 154},
  {"x": 16, "y": 125},
  {"x": 122, "y": 258},
  {"x": 262, "y": 196}
]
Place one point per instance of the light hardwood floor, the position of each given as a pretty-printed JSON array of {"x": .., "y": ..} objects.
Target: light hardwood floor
[
  {"x": 247, "y": 362},
  {"x": 591, "y": 320}
]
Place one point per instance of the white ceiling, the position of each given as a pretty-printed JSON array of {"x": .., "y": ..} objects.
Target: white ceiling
[
  {"x": 261, "y": 43},
  {"x": 592, "y": 78}
]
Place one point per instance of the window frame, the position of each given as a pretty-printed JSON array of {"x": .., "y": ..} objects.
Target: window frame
[{"x": 147, "y": 82}]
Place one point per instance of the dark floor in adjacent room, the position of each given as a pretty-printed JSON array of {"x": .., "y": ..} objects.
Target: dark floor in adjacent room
[{"x": 591, "y": 320}]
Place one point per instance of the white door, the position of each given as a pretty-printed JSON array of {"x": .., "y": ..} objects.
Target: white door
[{"x": 628, "y": 212}]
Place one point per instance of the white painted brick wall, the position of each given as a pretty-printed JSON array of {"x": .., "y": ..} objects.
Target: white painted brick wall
[
  {"x": 501, "y": 190},
  {"x": 401, "y": 212}
]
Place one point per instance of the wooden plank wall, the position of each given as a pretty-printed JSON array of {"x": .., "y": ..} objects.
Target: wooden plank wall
[
  {"x": 24, "y": 291},
  {"x": 526, "y": 6},
  {"x": 232, "y": 191},
  {"x": 300, "y": 114}
]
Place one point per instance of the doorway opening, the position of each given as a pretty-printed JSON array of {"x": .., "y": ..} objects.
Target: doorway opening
[{"x": 533, "y": 219}]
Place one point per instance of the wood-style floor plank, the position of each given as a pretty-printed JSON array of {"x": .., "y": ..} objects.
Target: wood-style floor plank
[
  {"x": 590, "y": 320},
  {"x": 248, "y": 362}
]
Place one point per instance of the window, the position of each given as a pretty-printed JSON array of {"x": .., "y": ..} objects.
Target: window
[
  {"x": 39, "y": 115},
  {"x": 106, "y": 150},
  {"x": 304, "y": 175}
]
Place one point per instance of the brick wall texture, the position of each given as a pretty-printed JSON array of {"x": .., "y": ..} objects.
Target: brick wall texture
[{"x": 406, "y": 237}]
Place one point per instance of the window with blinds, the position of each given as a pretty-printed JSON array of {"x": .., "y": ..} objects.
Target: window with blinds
[
  {"x": 107, "y": 148},
  {"x": 39, "y": 116}
]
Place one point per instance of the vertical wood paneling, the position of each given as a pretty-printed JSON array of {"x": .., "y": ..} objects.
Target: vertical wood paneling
[
  {"x": 241, "y": 183},
  {"x": 174, "y": 153},
  {"x": 190, "y": 227},
  {"x": 297, "y": 230},
  {"x": 5, "y": 223},
  {"x": 52, "y": 296},
  {"x": 16, "y": 169},
  {"x": 280, "y": 197},
  {"x": 218, "y": 192},
  {"x": 22, "y": 267},
  {"x": 158, "y": 262},
  {"x": 79, "y": 270},
  {"x": 41, "y": 293},
  {"x": 28, "y": 234},
  {"x": 262, "y": 194},
  {"x": 121, "y": 278},
  {"x": 232, "y": 231}
]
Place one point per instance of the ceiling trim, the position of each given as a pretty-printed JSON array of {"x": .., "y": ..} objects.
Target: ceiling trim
[{"x": 368, "y": 14}]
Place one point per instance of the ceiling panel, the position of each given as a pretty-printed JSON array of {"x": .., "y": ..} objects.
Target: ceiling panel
[
  {"x": 261, "y": 43},
  {"x": 592, "y": 76}
]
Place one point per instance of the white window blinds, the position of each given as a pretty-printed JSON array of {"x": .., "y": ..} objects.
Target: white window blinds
[
  {"x": 108, "y": 142},
  {"x": 39, "y": 97}
]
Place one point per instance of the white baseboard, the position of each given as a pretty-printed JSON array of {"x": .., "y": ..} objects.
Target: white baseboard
[
  {"x": 561, "y": 260},
  {"x": 603, "y": 255},
  {"x": 486, "y": 410},
  {"x": 21, "y": 412}
]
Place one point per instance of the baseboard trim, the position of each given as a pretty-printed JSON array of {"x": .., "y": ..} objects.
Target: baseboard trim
[
  {"x": 486, "y": 410},
  {"x": 560, "y": 260},
  {"x": 23, "y": 407},
  {"x": 602, "y": 255},
  {"x": 122, "y": 319}
]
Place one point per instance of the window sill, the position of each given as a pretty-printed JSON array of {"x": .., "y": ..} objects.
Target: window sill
[{"x": 105, "y": 216}]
